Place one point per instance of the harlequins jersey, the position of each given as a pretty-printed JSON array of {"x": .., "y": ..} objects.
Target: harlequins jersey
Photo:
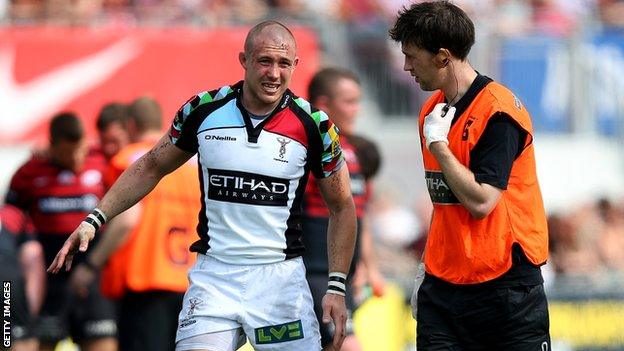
[{"x": 253, "y": 178}]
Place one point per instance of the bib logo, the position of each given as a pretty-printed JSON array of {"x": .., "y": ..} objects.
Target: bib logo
[
  {"x": 279, "y": 333},
  {"x": 247, "y": 188},
  {"x": 439, "y": 191},
  {"x": 517, "y": 102},
  {"x": 467, "y": 125}
]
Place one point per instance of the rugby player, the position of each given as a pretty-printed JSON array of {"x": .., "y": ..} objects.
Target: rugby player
[{"x": 256, "y": 142}]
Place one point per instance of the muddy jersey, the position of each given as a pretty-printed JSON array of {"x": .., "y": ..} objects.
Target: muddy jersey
[{"x": 253, "y": 178}]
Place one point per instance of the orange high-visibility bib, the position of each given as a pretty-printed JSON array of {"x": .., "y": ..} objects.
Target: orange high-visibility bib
[
  {"x": 461, "y": 249},
  {"x": 156, "y": 254}
]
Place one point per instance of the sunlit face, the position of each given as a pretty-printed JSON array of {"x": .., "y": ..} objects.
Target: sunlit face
[
  {"x": 421, "y": 65},
  {"x": 69, "y": 155},
  {"x": 113, "y": 139},
  {"x": 344, "y": 104},
  {"x": 268, "y": 69}
]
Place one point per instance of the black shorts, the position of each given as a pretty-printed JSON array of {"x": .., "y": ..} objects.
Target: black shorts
[
  {"x": 66, "y": 314},
  {"x": 149, "y": 320},
  {"x": 318, "y": 287},
  {"x": 503, "y": 318}
]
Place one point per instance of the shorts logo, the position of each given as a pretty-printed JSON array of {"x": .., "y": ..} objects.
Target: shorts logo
[
  {"x": 193, "y": 303},
  {"x": 189, "y": 320},
  {"x": 279, "y": 333}
]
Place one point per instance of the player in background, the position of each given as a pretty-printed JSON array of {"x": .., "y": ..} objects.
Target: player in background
[
  {"x": 256, "y": 142},
  {"x": 57, "y": 190},
  {"x": 21, "y": 259},
  {"x": 337, "y": 92},
  {"x": 144, "y": 251},
  {"x": 112, "y": 129},
  {"x": 483, "y": 287}
]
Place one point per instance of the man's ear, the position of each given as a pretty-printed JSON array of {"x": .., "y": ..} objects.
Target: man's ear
[
  {"x": 242, "y": 59},
  {"x": 443, "y": 58},
  {"x": 295, "y": 62}
]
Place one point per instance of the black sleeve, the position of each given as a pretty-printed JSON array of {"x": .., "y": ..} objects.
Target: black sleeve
[
  {"x": 183, "y": 131},
  {"x": 500, "y": 144}
]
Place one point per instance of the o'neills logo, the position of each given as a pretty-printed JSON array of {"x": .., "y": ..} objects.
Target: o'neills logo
[
  {"x": 247, "y": 188},
  {"x": 439, "y": 191},
  {"x": 219, "y": 138}
]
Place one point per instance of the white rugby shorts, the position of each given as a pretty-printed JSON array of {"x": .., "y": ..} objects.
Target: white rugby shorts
[{"x": 272, "y": 303}]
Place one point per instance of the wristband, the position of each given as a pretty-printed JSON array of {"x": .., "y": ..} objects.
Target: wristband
[
  {"x": 96, "y": 218},
  {"x": 337, "y": 283}
]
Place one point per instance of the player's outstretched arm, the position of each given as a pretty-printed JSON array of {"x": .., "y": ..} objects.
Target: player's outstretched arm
[
  {"x": 133, "y": 184},
  {"x": 336, "y": 191}
]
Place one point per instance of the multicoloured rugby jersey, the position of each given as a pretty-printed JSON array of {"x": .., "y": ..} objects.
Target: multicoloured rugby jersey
[{"x": 253, "y": 178}]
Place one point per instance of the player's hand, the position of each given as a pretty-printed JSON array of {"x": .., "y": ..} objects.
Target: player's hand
[
  {"x": 77, "y": 241},
  {"x": 335, "y": 310},
  {"x": 436, "y": 127},
  {"x": 80, "y": 279}
]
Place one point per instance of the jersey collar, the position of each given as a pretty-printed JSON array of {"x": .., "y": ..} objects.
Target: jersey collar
[
  {"x": 475, "y": 88},
  {"x": 254, "y": 132}
]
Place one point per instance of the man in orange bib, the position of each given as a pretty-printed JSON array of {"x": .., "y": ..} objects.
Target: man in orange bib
[
  {"x": 148, "y": 271},
  {"x": 483, "y": 288}
]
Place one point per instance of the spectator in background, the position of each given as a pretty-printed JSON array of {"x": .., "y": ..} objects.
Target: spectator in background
[
  {"x": 612, "y": 13},
  {"x": 21, "y": 259},
  {"x": 337, "y": 92},
  {"x": 568, "y": 255},
  {"x": 611, "y": 238},
  {"x": 57, "y": 190},
  {"x": 148, "y": 273},
  {"x": 550, "y": 18},
  {"x": 112, "y": 129}
]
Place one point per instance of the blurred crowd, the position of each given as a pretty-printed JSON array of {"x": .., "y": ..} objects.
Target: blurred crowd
[
  {"x": 586, "y": 242},
  {"x": 554, "y": 17}
]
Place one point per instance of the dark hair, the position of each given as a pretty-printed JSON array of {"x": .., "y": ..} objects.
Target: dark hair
[
  {"x": 368, "y": 155},
  {"x": 323, "y": 81},
  {"x": 66, "y": 126},
  {"x": 435, "y": 25},
  {"x": 114, "y": 112},
  {"x": 146, "y": 114}
]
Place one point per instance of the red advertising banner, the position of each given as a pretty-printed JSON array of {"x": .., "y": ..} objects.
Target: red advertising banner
[{"x": 45, "y": 70}]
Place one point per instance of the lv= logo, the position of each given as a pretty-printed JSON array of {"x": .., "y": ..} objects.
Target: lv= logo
[{"x": 279, "y": 333}]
